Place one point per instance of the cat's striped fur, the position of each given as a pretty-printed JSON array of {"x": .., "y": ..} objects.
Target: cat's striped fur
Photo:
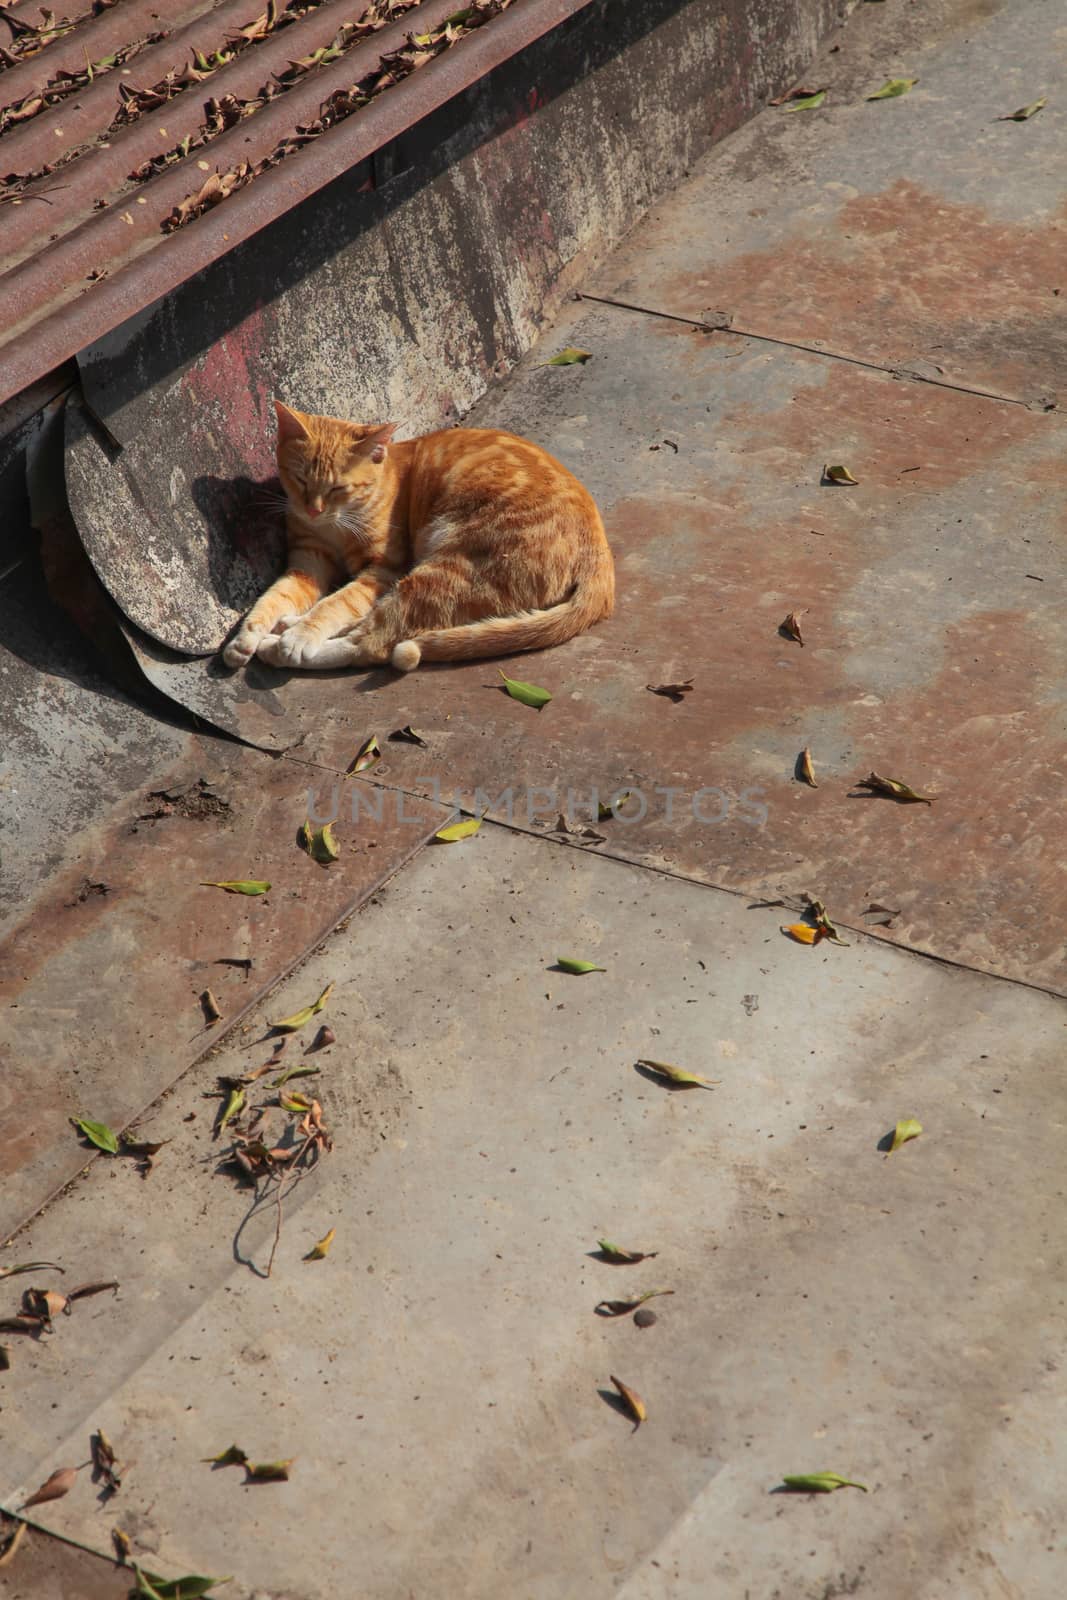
[{"x": 467, "y": 542}]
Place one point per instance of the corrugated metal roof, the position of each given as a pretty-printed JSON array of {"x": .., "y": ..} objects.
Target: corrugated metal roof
[{"x": 124, "y": 124}]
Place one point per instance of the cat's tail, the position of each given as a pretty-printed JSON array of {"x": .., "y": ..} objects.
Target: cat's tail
[{"x": 591, "y": 600}]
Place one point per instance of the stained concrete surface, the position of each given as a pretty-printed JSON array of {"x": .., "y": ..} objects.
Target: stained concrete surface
[
  {"x": 919, "y": 231},
  {"x": 929, "y": 653},
  {"x": 104, "y": 973},
  {"x": 931, "y": 593},
  {"x": 897, "y": 1319}
]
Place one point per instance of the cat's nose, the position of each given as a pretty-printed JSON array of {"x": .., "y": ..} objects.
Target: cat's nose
[{"x": 315, "y": 511}]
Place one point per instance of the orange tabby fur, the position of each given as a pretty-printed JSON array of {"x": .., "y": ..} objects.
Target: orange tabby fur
[{"x": 463, "y": 543}]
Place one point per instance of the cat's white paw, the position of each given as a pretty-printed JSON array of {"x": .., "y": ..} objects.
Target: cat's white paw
[
  {"x": 296, "y": 647},
  {"x": 284, "y": 623},
  {"x": 242, "y": 647}
]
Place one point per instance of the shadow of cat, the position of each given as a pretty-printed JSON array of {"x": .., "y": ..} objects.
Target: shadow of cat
[{"x": 244, "y": 520}]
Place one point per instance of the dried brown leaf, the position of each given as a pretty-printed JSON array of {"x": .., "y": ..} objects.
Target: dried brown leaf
[
  {"x": 55, "y": 1487},
  {"x": 799, "y": 93},
  {"x": 671, "y": 691},
  {"x": 895, "y": 789},
  {"x": 83, "y": 1290},
  {"x": 632, "y": 1400},
  {"x": 44, "y": 1303}
]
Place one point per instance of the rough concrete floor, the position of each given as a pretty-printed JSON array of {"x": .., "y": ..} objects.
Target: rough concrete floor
[{"x": 442, "y": 1378}]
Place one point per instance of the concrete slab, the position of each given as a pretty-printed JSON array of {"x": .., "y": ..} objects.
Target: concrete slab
[
  {"x": 934, "y": 634},
  {"x": 102, "y": 976},
  {"x": 46, "y": 1568},
  {"x": 916, "y": 232},
  {"x": 898, "y": 1320}
]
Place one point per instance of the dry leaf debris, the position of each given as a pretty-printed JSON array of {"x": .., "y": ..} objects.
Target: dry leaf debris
[{"x": 226, "y": 111}]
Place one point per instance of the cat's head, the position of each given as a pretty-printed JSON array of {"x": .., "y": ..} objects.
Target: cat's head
[{"x": 330, "y": 469}]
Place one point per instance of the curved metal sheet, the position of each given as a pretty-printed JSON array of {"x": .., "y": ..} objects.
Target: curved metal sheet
[
  {"x": 184, "y": 552},
  {"x": 243, "y": 704}
]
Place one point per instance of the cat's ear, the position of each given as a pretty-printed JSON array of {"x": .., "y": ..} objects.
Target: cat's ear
[
  {"x": 291, "y": 424},
  {"x": 376, "y": 439}
]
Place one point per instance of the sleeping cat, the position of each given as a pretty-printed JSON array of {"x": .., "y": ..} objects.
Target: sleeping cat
[{"x": 462, "y": 543}]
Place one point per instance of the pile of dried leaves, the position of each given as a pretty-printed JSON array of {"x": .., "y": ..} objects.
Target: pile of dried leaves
[
  {"x": 391, "y": 69},
  {"x": 136, "y": 102},
  {"x": 67, "y": 82},
  {"x": 39, "y": 1308},
  {"x": 274, "y": 1159},
  {"x": 27, "y": 38}
]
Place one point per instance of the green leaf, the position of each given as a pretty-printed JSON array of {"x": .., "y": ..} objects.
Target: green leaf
[
  {"x": 807, "y": 104},
  {"x": 569, "y": 357},
  {"x": 324, "y": 847},
  {"x": 368, "y": 753},
  {"x": 97, "y": 1133},
  {"x": 1024, "y": 113},
  {"x": 234, "y": 1456},
  {"x": 303, "y": 836},
  {"x": 567, "y": 964},
  {"x": 615, "y": 1253},
  {"x": 823, "y": 925},
  {"x": 191, "y": 1587},
  {"x": 678, "y": 1074},
  {"x": 894, "y": 87},
  {"x": 234, "y": 1104},
  {"x": 906, "y": 1129},
  {"x": 528, "y": 693},
  {"x": 822, "y": 1482},
  {"x": 294, "y": 1072},
  {"x": 298, "y": 1018},
  {"x": 270, "y": 1471},
  {"x": 838, "y": 474},
  {"x": 319, "y": 1252},
  {"x": 238, "y": 885},
  {"x": 458, "y": 830}
]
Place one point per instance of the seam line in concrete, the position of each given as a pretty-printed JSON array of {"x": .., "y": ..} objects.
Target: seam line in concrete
[
  {"x": 810, "y": 349},
  {"x": 668, "y": 872}
]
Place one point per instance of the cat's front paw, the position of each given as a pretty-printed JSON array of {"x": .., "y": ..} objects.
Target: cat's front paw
[
  {"x": 296, "y": 647},
  {"x": 242, "y": 647}
]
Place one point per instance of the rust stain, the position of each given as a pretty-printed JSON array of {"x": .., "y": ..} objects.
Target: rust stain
[
  {"x": 232, "y": 379},
  {"x": 904, "y": 273}
]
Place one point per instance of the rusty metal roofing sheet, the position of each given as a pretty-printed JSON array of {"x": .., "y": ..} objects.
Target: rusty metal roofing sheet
[{"x": 137, "y": 170}]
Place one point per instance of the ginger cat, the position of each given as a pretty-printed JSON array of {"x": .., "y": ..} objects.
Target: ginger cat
[{"x": 462, "y": 543}]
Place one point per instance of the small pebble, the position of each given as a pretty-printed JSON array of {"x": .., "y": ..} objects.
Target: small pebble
[{"x": 644, "y": 1318}]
